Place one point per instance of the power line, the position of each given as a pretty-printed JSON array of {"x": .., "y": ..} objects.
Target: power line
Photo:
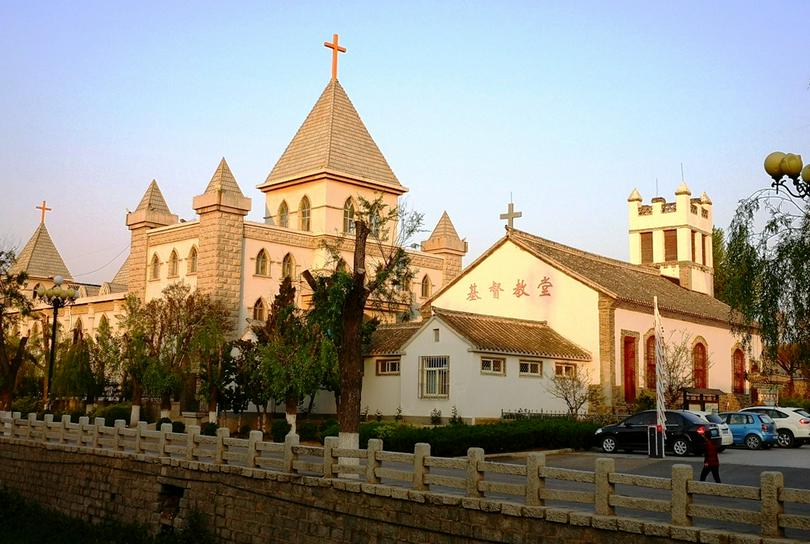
[{"x": 105, "y": 265}]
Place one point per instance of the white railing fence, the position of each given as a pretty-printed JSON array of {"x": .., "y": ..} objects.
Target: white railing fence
[{"x": 533, "y": 484}]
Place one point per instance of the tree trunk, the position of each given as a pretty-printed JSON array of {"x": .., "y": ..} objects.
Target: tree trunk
[
  {"x": 137, "y": 399},
  {"x": 213, "y": 393},
  {"x": 6, "y": 397},
  {"x": 291, "y": 412}
]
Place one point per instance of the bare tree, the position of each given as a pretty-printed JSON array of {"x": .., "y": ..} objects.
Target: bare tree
[
  {"x": 574, "y": 389},
  {"x": 677, "y": 370}
]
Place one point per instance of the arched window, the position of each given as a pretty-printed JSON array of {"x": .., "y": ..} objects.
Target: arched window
[
  {"x": 348, "y": 216},
  {"x": 649, "y": 358},
  {"x": 303, "y": 214},
  {"x": 173, "y": 264},
  {"x": 287, "y": 267},
  {"x": 425, "y": 286},
  {"x": 261, "y": 263},
  {"x": 699, "y": 365},
  {"x": 78, "y": 330},
  {"x": 192, "y": 261},
  {"x": 103, "y": 323},
  {"x": 259, "y": 310},
  {"x": 283, "y": 215},
  {"x": 738, "y": 369},
  {"x": 154, "y": 271}
]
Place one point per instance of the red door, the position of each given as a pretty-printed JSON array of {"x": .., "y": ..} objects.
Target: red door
[{"x": 629, "y": 369}]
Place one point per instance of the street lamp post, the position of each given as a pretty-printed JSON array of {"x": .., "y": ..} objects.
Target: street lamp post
[
  {"x": 58, "y": 297},
  {"x": 784, "y": 167}
]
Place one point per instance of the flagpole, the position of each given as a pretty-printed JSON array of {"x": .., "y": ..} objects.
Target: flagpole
[{"x": 660, "y": 405}]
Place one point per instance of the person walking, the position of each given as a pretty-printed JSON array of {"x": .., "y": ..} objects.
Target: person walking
[{"x": 711, "y": 463}]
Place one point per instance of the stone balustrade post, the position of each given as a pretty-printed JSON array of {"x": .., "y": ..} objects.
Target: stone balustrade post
[
  {"x": 165, "y": 428},
  {"x": 99, "y": 423},
  {"x": 290, "y": 441},
  {"x": 372, "y": 463},
  {"x": 32, "y": 419},
  {"x": 222, "y": 434},
  {"x": 603, "y": 488},
  {"x": 64, "y": 429},
  {"x": 250, "y": 456},
  {"x": 16, "y": 421},
  {"x": 330, "y": 443},
  {"x": 681, "y": 499},
  {"x": 420, "y": 470},
  {"x": 118, "y": 443},
  {"x": 192, "y": 432},
  {"x": 84, "y": 424},
  {"x": 46, "y": 426},
  {"x": 535, "y": 481},
  {"x": 139, "y": 429},
  {"x": 771, "y": 483},
  {"x": 474, "y": 475}
]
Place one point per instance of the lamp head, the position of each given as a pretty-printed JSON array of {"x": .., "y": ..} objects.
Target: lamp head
[
  {"x": 773, "y": 164},
  {"x": 58, "y": 280},
  {"x": 791, "y": 165}
]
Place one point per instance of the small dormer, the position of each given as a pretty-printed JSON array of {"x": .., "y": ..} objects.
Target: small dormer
[{"x": 675, "y": 237}]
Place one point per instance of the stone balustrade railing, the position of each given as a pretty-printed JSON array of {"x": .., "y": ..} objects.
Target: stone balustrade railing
[{"x": 472, "y": 476}]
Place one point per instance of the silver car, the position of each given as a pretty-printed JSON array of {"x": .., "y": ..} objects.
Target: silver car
[{"x": 726, "y": 438}]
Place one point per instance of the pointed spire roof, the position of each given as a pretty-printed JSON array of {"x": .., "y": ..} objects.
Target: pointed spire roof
[
  {"x": 635, "y": 196},
  {"x": 444, "y": 237},
  {"x": 40, "y": 258},
  {"x": 153, "y": 200},
  {"x": 333, "y": 138},
  {"x": 223, "y": 180}
]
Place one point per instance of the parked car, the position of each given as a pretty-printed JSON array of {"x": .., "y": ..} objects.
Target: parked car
[
  {"x": 684, "y": 434},
  {"x": 726, "y": 438},
  {"x": 792, "y": 424},
  {"x": 751, "y": 429}
]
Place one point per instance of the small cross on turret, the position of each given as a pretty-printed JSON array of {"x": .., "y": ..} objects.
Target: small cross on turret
[
  {"x": 43, "y": 209},
  {"x": 333, "y": 45}
]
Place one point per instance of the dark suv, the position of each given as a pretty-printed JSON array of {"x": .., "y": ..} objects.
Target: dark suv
[{"x": 685, "y": 433}]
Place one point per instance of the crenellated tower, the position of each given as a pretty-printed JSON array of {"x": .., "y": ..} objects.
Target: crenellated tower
[
  {"x": 222, "y": 208},
  {"x": 152, "y": 212},
  {"x": 675, "y": 237}
]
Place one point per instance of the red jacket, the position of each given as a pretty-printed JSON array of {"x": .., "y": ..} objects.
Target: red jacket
[{"x": 710, "y": 457}]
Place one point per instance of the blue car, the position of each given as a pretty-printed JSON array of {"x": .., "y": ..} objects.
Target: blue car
[{"x": 750, "y": 429}]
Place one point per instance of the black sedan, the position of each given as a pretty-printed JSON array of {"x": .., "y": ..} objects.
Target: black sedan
[{"x": 685, "y": 433}]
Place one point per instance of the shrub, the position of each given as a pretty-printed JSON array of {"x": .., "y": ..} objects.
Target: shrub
[
  {"x": 645, "y": 401},
  {"x": 308, "y": 431},
  {"x": 244, "y": 431},
  {"x": 435, "y": 417},
  {"x": 112, "y": 412},
  {"x": 209, "y": 429},
  {"x": 163, "y": 420},
  {"x": 329, "y": 427},
  {"x": 178, "y": 427},
  {"x": 279, "y": 429},
  {"x": 26, "y": 405}
]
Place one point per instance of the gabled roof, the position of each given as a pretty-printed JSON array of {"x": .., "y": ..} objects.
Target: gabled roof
[
  {"x": 635, "y": 284},
  {"x": 515, "y": 336},
  {"x": 333, "y": 138},
  {"x": 389, "y": 339},
  {"x": 223, "y": 180},
  {"x": 40, "y": 258},
  {"x": 153, "y": 200}
]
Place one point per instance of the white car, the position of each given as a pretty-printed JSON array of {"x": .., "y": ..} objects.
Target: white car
[
  {"x": 726, "y": 438},
  {"x": 792, "y": 423}
]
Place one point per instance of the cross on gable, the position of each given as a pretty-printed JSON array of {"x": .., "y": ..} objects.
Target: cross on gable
[
  {"x": 333, "y": 45},
  {"x": 511, "y": 215},
  {"x": 42, "y": 208}
]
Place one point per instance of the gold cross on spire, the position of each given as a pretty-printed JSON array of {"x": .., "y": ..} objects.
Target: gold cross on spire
[
  {"x": 511, "y": 215},
  {"x": 43, "y": 209},
  {"x": 333, "y": 45}
]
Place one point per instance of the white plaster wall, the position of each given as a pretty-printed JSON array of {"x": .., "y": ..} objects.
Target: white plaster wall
[
  {"x": 572, "y": 309},
  {"x": 154, "y": 288},
  {"x": 314, "y": 191},
  {"x": 720, "y": 344},
  {"x": 380, "y": 392},
  {"x": 267, "y": 286}
]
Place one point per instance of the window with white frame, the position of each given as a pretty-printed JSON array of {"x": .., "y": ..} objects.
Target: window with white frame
[
  {"x": 565, "y": 370},
  {"x": 434, "y": 377},
  {"x": 531, "y": 368},
  {"x": 491, "y": 365},
  {"x": 387, "y": 367}
]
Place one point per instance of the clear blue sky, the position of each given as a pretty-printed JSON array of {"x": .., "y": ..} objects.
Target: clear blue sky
[{"x": 565, "y": 105}]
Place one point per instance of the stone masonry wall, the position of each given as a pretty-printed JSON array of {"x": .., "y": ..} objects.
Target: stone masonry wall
[
  {"x": 219, "y": 264},
  {"x": 254, "y": 506},
  {"x": 136, "y": 275}
]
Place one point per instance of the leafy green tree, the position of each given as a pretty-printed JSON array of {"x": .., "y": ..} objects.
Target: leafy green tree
[
  {"x": 379, "y": 278},
  {"x": 240, "y": 361},
  {"x": 719, "y": 263},
  {"x": 289, "y": 353},
  {"x": 768, "y": 276},
  {"x": 13, "y": 306},
  {"x": 212, "y": 349},
  {"x": 105, "y": 356},
  {"x": 74, "y": 375}
]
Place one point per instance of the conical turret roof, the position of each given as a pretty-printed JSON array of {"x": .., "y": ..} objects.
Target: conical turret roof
[
  {"x": 223, "y": 180},
  {"x": 333, "y": 138},
  {"x": 153, "y": 200},
  {"x": 444, "y": 238},
  {"x": 445, "y": 228},
  {"x": 40, "y": 258}
]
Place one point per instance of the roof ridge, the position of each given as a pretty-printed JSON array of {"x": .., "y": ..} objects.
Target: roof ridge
[
  {"x": 331, "y": 130},
  {"x": 587, "y": 254},
  {"x": 445, "y": 311}
]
